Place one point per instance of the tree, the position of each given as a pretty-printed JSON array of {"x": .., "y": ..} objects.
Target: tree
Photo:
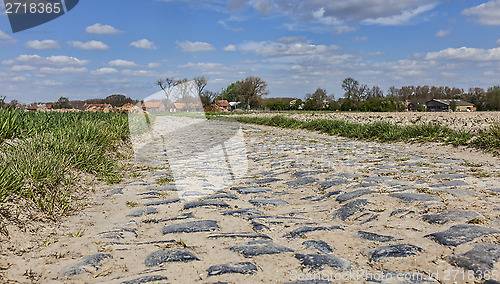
[
  {"x": 208, "y": 97},
  {"x": 14, "y": 104},
  {"x": 62, "y": 102},
  {"x": 231, "y": 92},
  {"x": 118, "y": 100},
  {"x": 251, "y": 90},
  {"x": 316, "y": 100},
  {"x": 201, "y": 83},
  {"x": 167, "y": 84},
  {"x": 351, "y": 88}
]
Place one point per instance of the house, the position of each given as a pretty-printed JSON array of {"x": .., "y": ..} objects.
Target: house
[
  {"x": 224, "y": 104},
  {"x": 447, "y": 105},
  {"x": 153, "y": 106},
  {"x": 187, "y": 107},
  {"x": 40, "y": 107}
]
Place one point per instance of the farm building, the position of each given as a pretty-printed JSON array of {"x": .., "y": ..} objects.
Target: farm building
[
  {"x": 447, "y": 105},
  {"x": 153, "y": 106}
]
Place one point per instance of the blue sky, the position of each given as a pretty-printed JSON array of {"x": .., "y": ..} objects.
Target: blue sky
[{"x": 103, "y": 47}]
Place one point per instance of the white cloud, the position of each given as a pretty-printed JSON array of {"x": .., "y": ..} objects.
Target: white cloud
[
  {"x": 264, "y": 7},
  {"x": 102, "y": 29},
  {"x": 198, "y": 46},
  {"x": 122, "y": 63},
  {"x": 402, "y": 19},
  {"x": 59, "y": 60},
  {"x": 62, "y": 71},
  {"x": 5, "y": 36},
  {"x": 138, "y": 73},
  {"x": 144, "y": 44},
  {"x": 18, "y": 79},
  {"x": 22, "y": 68},
  {"x": 49, "y": 83},
  {"x": 230, "y": 48},
  {"x": 285, "y": 46},
  {"x": 44, "y": 44},
  {"x": 465, "y": 53},
  {"x": 89, "y": 45},
  {"x": 487, "y": 13},
  {"x": 153, "y": 65},
  {"x": 498, "y": 42},
  {"x": 442, "y": 33},
  {"x": 104, "y": 71},
  {"x": 360, "y": 38}
]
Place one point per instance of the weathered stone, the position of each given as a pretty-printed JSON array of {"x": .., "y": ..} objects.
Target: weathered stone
[
  {"x": 363, "y": 185},
  {"x": 400, "y": 250},
  {"x": 326, "y": 195},
  {"x": 222, "y": 196},
  {"x": 85, "y": 265},
  {"x": 376, "y": 237},
  {"x": 206, "y": 203},
  {"x": 242, "y": 212},
  {"x": 354, "y": 194},
  {"x": 481, "y": 258},
  {"x": 263, "y": 181},
  {"x": 243, "y": 235},
  {"x": 146, "y": 279},
  {"x": 240, "y": 267},
  {"x": 255, "y": 248},
  {"x": 449, "y": 176},
  {"x": 257, "y": 227},
  {"x": 336, "y": 182},
  {"x": 249, "y": 190},
  {"x": 163, "y": 256},
  {"x": 143, "y": 211},
  {"x": 445, "y": 216},
  {"x": 115, "y": 191},
  {"x": 163, "y": 202},
  {"x": 299, "y": 232},
  {"x": 301, "y": 182},
  {"x": 414, "y": 197},
  {"x": 263, "y": 202},
  {"x": 460, "y": 234},
  {"x": 317, "y": 261},
  {"x": 450, "y": 183},
  {"x": 350, "y": 209},
  {"x": 191, "y": 227},
  {"x": 321, "y": 246},
  {"x": 311, "y": 281}
]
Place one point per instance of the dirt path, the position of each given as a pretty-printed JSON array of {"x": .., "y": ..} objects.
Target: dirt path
[{"x": 275, "y": 206}]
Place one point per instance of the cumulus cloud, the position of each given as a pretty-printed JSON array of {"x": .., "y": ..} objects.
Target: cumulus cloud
[
  {"x": 44, "y": 44},
  {"x": 230, "y": 48},
  {"x": 465, "y": 53},
  {"x": 197, "y": 46},
  {"x": 104, "y": 71},
  {"x": 285, "y": 46},
  {"x": 5, "y": 36},
  {"x": 264, "y": 7},
  {"x": 102, "y": 29},
  {"x": 442, "y": 33},
  {"x": 62, "y": 71},
  {"x": 138, "y": 73},
  {"x": 89, "y": 45},
  {"x": 144, "y": 44},
  {"x": 404, "y": 18},
  {"x": 486, "y": 13},
  {"x": 37, "y": 60},
  {"x": 122, "y": 63}
]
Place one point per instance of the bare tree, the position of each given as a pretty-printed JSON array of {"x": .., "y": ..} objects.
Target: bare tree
[
  {"x": 201, "y": 83},
  {"x": 167, "y": 84}
]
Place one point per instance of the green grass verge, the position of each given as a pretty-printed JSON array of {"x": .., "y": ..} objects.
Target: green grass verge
[
  {"x": 40, "y": 154},
  {"x": 387, "y": 132}
]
